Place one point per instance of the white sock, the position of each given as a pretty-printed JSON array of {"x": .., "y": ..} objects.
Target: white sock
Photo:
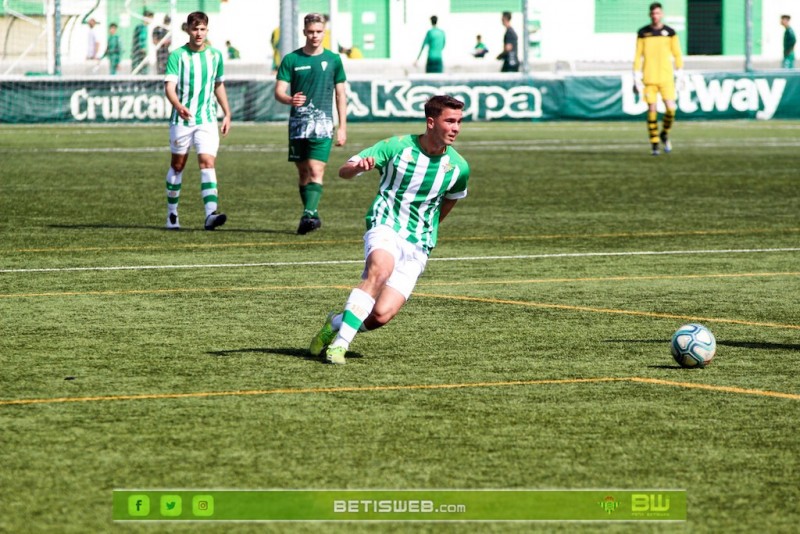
[
  {"x": 208, "y": 185},
  {"x": 358, "y": 307},
  {"x": 173, "y": 189},
  {"x": 336, "y": 323}
]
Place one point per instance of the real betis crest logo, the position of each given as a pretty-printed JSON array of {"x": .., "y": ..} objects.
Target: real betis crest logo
[
  {"x": 609, "y": 504},
  {"x": 324, "y": 65}
]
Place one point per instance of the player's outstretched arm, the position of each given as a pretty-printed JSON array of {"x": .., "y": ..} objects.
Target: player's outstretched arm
[{"x": 353, "y": 168}]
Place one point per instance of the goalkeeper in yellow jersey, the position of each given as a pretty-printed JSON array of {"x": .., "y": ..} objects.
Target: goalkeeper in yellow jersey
[{"x": 657, "y": 46}]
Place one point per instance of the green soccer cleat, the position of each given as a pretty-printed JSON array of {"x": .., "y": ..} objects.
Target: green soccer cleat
[
  {"x": 336, "y": 355},
  {"x": 323, "y": 337}
]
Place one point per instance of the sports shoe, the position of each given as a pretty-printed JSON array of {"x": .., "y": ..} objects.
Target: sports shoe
[
  {"x": 172, "y": 221},
  {"x": 336, "y": 355},
  {"x": 308, "y": 224},
  {"x": 323, "y": 337},
  {"x": 655, "y": 151},
  {"x": 666, "y": 143},
  {"x": 215, "y": 219}
]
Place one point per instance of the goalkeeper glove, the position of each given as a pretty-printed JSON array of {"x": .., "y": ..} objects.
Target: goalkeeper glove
[{"x": 638, "y": 84}]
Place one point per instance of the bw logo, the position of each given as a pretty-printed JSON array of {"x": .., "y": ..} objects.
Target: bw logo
[{"x": 644, "y": 502}]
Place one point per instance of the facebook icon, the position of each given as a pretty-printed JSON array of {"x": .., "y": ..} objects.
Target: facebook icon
[{"x": 138, "y": 505}]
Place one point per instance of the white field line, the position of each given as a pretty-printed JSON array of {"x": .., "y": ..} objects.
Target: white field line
[
  {"x": 513, "y": 144},
  {"x": 344, "y": 262}
]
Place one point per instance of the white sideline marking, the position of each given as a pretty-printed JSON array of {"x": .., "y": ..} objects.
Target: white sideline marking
[
  {"x": 538, "y": 145},
  {"x": 343, "y": 262}
]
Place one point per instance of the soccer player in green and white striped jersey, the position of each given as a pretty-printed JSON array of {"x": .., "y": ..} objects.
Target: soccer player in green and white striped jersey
[
  {"x": 195, "y": 75},
  {"x": 422, "y": 178}
]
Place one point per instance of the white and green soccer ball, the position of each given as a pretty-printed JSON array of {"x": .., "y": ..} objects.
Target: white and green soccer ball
[{"x": 693, "y": 345}]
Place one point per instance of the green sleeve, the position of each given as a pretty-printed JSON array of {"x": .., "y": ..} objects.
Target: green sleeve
[
  {"x": 426, "y": 41},
  {"x": 220, "y": 77},
  {"x": 339, "y": 75},
  {"x": 459, "y": 189},
  {"x": 285, "y": 70},
  {"x": 173, "y": 64}
]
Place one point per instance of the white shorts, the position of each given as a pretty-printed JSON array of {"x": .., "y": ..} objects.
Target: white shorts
[
  {"x": 204, "y": 138},
  {"x": 409, "y": 259}
]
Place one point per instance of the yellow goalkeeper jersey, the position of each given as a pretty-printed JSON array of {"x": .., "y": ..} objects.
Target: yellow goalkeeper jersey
[{"x": 655, "y": 50}]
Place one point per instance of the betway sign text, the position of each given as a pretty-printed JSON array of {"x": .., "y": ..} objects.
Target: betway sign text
[{"x": 758, "y": 95}]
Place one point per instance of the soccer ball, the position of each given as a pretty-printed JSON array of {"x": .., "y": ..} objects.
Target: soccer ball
[{"x": 693, "y": 345}]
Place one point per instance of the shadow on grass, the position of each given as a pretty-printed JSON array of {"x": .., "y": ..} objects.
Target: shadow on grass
[
  {"x": 150, "y": 227},
  {"x": 283, "y": 351},
  {"x": 758, "y": 345}
]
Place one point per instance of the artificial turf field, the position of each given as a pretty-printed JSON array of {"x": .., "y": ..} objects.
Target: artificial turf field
[{"x": 534, "y": 353}]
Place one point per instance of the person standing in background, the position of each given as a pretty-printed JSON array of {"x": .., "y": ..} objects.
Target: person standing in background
[
  {"x": 480, "y": 49},
  {"x": 92, "y": 43},
  {"x": 435, "y": 41},
  {"x": 162, "y": 41},
  {"x": 656, "y": 66},
  {"x": 113, "y": 50},
  {"x": 510, "y": 43},
  {"x": 139, "y": 45},
  {"x": 233, "y": 52},
  {"x": 275, "y": 41},
  {"x": 789, "y": 40}
]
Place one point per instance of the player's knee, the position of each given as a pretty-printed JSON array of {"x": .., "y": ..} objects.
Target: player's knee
[
  {"x": 206, "y": 162},
  {"x": 178, "y": 166},
  {"x": 379, "y": 317}
]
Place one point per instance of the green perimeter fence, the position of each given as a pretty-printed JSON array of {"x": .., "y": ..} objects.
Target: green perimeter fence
[{"x": 769, "y": 95}]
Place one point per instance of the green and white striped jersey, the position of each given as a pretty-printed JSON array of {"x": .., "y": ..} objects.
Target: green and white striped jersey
[
  {"x": 195, "y": 74},
  {"x": 413, "y": 185}
]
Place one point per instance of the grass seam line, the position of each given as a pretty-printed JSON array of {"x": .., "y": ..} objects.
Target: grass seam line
[{"x": 612, "y": 311}]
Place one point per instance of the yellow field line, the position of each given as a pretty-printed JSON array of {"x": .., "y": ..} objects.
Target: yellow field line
[
  {"x": 424, "y": 284},
  {"x": 610, "y": 235},
  {"x": 411, "y": 387},
  {"x": 607, "y": 310},
  {"x": 710, "y": 387},
  {"x": 342, "y": 389}
]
